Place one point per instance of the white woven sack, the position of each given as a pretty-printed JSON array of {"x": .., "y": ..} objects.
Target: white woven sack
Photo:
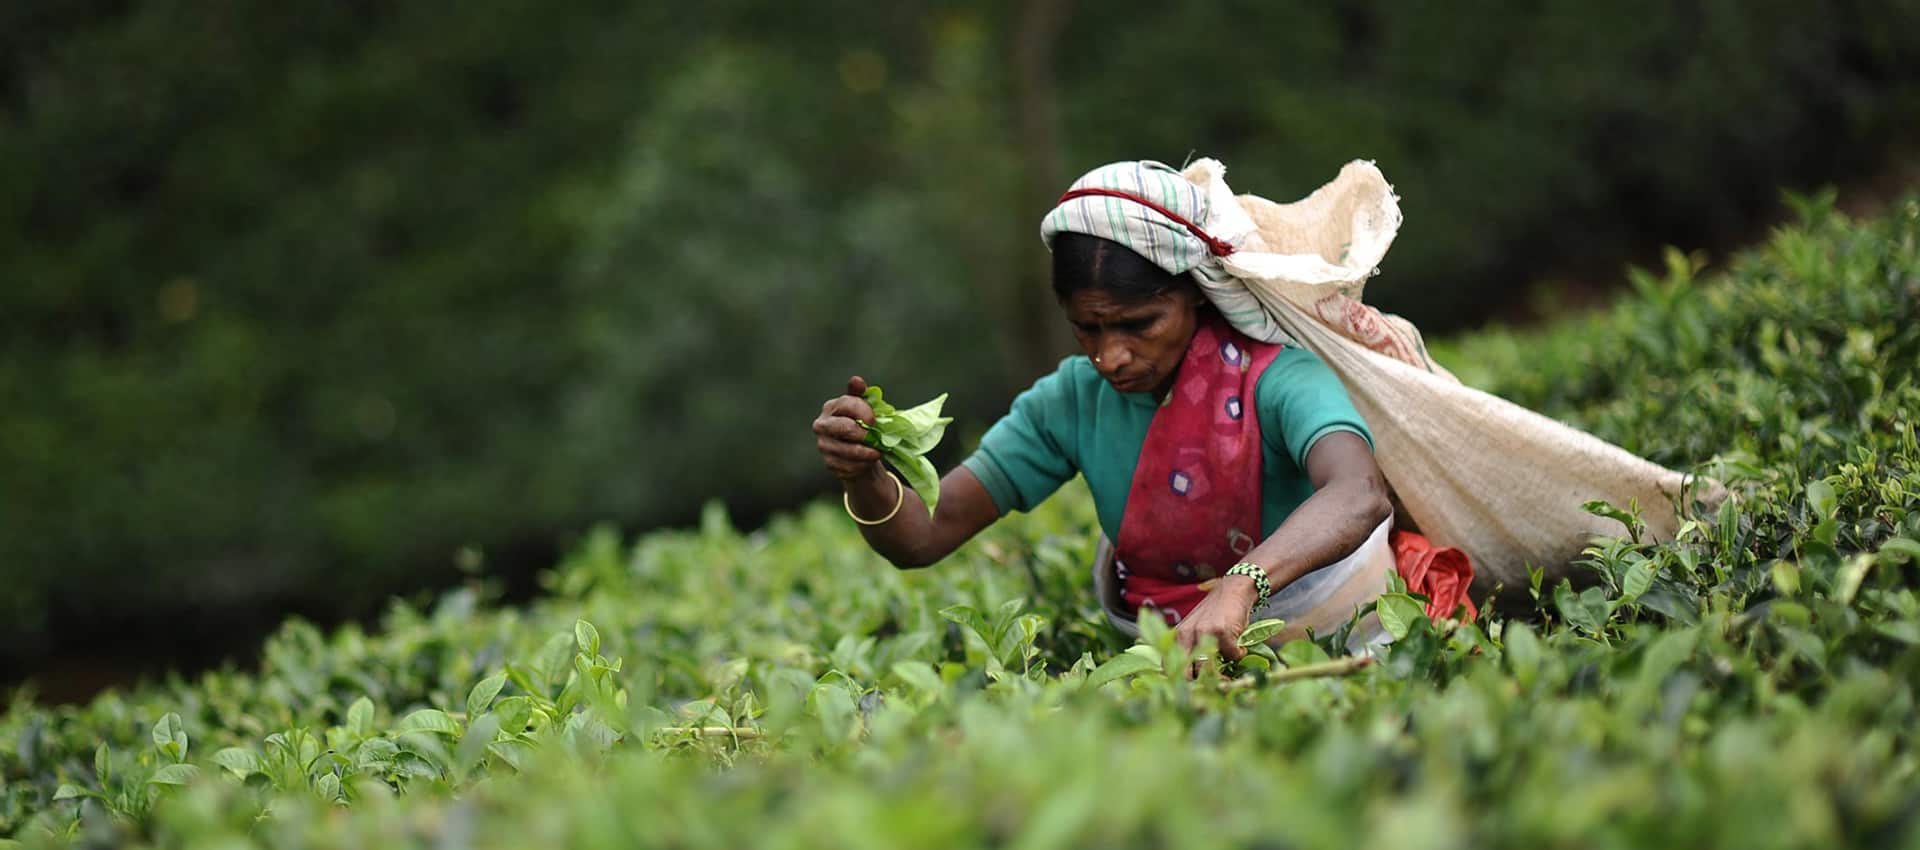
[{"x": 1472, "y": 470}]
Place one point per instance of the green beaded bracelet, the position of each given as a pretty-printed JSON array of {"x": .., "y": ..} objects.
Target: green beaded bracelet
[{"x": 1259, "y": 576}]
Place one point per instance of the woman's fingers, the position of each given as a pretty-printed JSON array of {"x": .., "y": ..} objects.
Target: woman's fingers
[
  {"x": 848, "y": 451},
  {"x": 840, "y": 436},
  {"x": 849, "y": 407},
  {"x": 840, "y": 428},
  {"x": 1230, "y": 648},
  {"x": 1226, "y": 638}
]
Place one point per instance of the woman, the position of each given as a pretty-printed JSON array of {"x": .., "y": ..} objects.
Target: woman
[{"x": 1234, "y": 476}]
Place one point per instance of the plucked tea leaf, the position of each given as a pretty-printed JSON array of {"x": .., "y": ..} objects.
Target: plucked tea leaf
[
  {"x": 904, "y": 437},
  {"x": 1258, "y": 632},
  {"x": 920, "y": 474}
]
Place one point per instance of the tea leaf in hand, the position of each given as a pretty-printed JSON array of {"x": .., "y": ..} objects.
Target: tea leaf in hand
[
  {"x": 905, "y": 436},
  {"x": 1259, "y": 631}
]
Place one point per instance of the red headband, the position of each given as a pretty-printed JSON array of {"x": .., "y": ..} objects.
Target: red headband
[{"x": 1219, "y": 247}]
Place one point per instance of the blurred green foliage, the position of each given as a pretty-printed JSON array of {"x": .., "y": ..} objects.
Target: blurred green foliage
[{"x": 295, "y": 304}]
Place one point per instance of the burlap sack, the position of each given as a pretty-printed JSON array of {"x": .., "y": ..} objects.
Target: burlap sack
[{"x": 1471, "y": 470}]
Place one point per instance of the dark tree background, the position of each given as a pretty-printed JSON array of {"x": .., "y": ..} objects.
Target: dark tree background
[{"x": 299, "y": 303}]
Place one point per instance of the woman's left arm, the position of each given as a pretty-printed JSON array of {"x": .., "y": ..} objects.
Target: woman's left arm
[{"x": 1349, "y": 501}]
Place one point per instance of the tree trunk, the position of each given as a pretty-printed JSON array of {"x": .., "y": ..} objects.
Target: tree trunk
[{"x": 1041, "y": 336}]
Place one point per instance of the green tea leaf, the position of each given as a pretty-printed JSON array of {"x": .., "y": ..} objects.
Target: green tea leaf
[
  {"x": 1398, "y": 611},
  {"x": 1601, "y": 508},
  {"x": 1119, "y": 667},
  {"x": 834, "y": 708},
  {"x": 170, "y": 738},
  {"x": 1300, "y": 652},
  {"x": 1639, "y": 577},
  {"x": 904, "y": 437},
  {"x": 555, "y": 658},
  {"x": 68, "y": 792},
  {"x": 514, "y": 753},
  {"x": 474, "y": 744},
  {"x": 360, "y": 717},
  {"x": 1666, "y": 653},
  {"x": 586, "y": 637},
  {"x": 1523, "y": 651},
  {"x": 1786, "y": 577},
  {"x": 103, "y": 764},
  {"x": 1852, "y": 573},
  {"x": 481, "y": 697},
  {"x": 1821, "y": 498},
  {"x": 1898, "y": 549},
  {"x": 376, "y": 754},
  {"x": 1904, "y": 631},
  {"x": 240, "y": 761},
  {"x": 1574, "y": 609},
  {"x": 920, "y": 676},
  {"x": 920, "y": 474},
  {"x": 429, "y": 720},
  {"x": 174, "y": 774},
  {"x": 1258, "y": 632},
  {"x": 514, "y": 712}
]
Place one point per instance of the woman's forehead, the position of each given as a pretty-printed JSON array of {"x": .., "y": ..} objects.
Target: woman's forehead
[{"x": 1094, "y": 305}]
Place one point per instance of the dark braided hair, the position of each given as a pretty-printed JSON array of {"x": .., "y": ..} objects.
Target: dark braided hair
[{"x": 1082, "y": 262}]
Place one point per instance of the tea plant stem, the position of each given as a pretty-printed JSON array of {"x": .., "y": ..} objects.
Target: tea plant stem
[
  {"x": 740, "y": 732},
  {"x": 1336, "y": 667}
]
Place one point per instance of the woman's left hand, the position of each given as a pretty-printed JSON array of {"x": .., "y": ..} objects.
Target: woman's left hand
[{"x": 1222, "y": 615}]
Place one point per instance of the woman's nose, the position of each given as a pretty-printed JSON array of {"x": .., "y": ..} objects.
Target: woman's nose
[{"x": 1113, "y": 357}]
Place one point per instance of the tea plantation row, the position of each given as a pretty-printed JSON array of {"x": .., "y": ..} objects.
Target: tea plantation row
[{"x": 1751, "y": 684}]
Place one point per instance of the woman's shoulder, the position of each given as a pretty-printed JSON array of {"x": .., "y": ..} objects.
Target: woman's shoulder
[{"x": 1294, "y": 363}]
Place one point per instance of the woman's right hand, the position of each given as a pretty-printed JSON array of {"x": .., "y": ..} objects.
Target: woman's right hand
[{"x": 841, "y": 438}]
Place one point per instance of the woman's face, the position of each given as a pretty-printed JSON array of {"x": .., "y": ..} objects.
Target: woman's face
[{"x": 1136, "y": 344}]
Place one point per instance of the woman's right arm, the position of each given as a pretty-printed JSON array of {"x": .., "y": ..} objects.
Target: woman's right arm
[{"x": 910, "y": 538}]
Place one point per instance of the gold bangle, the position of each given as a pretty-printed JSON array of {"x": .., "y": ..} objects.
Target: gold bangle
[{"x": 846, "y": 499}]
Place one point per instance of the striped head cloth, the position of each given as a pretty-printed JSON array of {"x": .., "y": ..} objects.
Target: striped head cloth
[{"x": 1145, "y": 205}]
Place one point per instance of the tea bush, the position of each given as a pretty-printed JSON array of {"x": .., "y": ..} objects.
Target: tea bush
[{"x": 1749, "y": 684}]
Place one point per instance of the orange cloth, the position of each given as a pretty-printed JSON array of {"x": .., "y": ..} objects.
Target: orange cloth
[{"x": 1439, "y": 573}]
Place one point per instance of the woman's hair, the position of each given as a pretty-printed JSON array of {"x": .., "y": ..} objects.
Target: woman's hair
[{"x": 1090, "y": 262}]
